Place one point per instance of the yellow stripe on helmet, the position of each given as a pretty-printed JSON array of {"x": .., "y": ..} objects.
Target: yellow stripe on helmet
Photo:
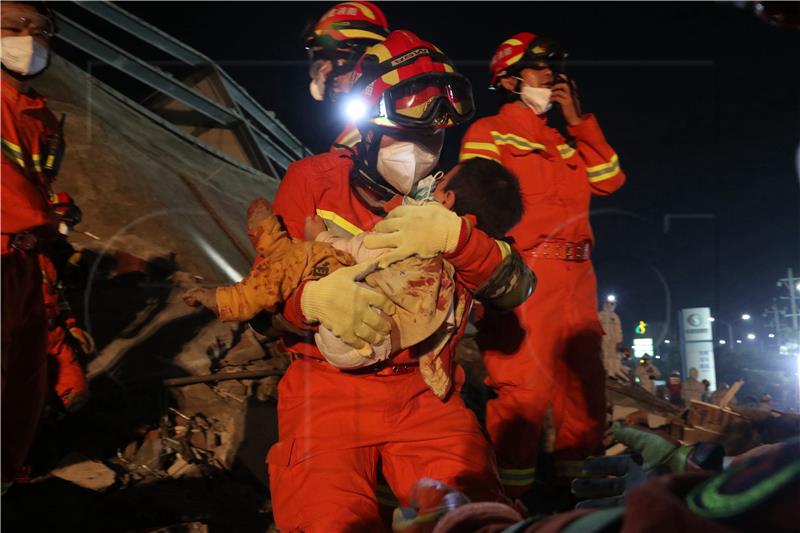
[
  {"x": 361, "y": 34},
  {"x": 380, "y": 51},
  {"x": 364, "y": 9},
  {"x": 391, "y": 77}
]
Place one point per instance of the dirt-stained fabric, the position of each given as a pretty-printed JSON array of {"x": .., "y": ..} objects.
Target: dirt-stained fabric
[{"x": 285, "y": 264}]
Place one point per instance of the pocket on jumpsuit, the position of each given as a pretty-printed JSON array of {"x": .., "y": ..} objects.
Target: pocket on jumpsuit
[
  {"x": 279, "y": 457},
  {"x": 522, "y": 161}
]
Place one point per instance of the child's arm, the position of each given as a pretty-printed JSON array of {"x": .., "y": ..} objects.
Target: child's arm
[{"x": 315, "y": 230}]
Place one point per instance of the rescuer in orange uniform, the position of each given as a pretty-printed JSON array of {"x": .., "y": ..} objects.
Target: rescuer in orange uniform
[
  {"x": 334, "y": 425},
  {"x": 334, "y": 45},
  {"x": 551, "y": 353},
  {"x": 28, "y": 163}
]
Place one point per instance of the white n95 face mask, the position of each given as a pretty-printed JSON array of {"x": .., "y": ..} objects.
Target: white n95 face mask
[
  {"x": 402, "y": 164},
  {"x": 537, "y": 98},
  {"x": 24, "y": 55}
]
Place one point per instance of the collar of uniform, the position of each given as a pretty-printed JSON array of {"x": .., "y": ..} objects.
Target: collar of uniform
[
  {"x": 29, "y": 100},
  {"x": 521, "y": 112}
]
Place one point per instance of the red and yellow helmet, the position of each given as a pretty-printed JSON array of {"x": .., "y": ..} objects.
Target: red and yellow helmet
[
  {"x": 405, "y": 82},
  {"x": 64, "y": 208},
  {"x": 520, "y": 51},
  {"x": 348, "y": 26}
]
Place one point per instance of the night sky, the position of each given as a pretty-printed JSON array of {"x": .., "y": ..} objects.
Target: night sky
[{"x": 699, "y": 100}]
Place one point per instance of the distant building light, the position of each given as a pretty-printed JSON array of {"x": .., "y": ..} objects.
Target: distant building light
[
  {"x": 658, "y": 357},
  {"x": 745, "y": 317},
  {"x": 666, "y": 341},
  {"x": 797, "y": 287},
  {"x": 611, "y": 298},
  {"x": 738, "y": 341},
  {"x": 751, "y": 336},
  {"x": 722, "y": 341},
  {"x": 771, "y": 335},
  {"x": 711, "y": 319}
]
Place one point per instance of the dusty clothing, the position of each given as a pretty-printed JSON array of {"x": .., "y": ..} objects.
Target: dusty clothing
[
  {"x": 26, "y": 126},
  {"x": 334, "y": 426},
  {"x": 647, "y": 373},
  {"x": 427, "y": 313},
  {"x": 285, "y": 264},
  {"x": 549, "y": 353},
  {"x": 422, "y": 289}
]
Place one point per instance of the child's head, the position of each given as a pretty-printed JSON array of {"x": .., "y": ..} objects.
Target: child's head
[{"x": 485, "y": 189}]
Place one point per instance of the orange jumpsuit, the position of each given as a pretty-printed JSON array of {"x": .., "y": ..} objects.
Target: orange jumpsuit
[
  {"x": 26, "y": 123},
  {"x": 334, "y": 425},
  {"x": 548, "y": 351},
  {"x": 66, "y": 374}
]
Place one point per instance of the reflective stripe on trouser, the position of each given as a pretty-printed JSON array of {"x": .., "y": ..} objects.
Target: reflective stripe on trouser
[
  {"x": 334, "y": 426},
  {"x": 520, "y": 478},
  {"x": 546, "y": 353}
]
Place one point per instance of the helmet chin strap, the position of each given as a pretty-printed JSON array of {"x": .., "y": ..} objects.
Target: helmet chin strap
[{"x": 365, "y": 168}]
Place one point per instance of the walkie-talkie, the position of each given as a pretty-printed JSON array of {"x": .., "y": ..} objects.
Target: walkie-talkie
[{"x": 53, "y": 151}]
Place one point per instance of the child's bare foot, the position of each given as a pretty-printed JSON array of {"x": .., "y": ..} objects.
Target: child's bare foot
[
  {"x": 198, "y": 296},
  {"x": 314, "y": 226}
]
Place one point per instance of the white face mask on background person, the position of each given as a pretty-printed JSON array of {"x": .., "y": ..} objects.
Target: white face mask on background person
[
  {"x": 403, "y": 163},
  {"x": 24, "y": 55},
  {"x": 537, "y": 98}
]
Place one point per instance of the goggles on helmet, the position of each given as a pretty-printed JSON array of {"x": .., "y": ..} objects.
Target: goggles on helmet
[
  {"x": 432, "y": 100},
  {"x": 542, "y": 53}
]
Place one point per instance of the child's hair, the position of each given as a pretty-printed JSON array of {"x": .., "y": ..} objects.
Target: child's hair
[{"x": 490, "y": 192}]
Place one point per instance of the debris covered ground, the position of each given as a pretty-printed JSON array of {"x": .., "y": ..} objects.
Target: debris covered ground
[{"x": 183, "y": 406}]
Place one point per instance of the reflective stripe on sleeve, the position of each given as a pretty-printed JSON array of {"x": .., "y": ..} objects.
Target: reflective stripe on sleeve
[
  {"x": 604, "y": 171},
  {"x": 346, "y": 225}
]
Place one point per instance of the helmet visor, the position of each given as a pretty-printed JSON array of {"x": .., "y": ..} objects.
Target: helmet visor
[
  {"x": 435, "y": 100},
  {"x": 543, "y": 53}
]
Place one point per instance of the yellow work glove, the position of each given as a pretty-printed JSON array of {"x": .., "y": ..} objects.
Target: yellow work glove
[
  {"x": 346, "y": 308},
  {"x": 424, "y": 230}
]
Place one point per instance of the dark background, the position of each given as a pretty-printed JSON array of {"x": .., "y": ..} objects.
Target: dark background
[{"x": 700, "y": 100}]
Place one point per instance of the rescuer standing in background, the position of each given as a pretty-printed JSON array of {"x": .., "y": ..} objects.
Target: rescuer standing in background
[
  {"x": 30, "y": 156},
  {"x": 557, "y": 361},
  {"x": 334, "y": 44}
]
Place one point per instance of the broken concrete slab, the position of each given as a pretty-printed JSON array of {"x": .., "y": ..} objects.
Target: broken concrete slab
[{"x": 84, "y": 472}]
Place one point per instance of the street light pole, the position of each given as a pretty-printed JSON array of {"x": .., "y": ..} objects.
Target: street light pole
[{"x": 730, "y": 331}]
